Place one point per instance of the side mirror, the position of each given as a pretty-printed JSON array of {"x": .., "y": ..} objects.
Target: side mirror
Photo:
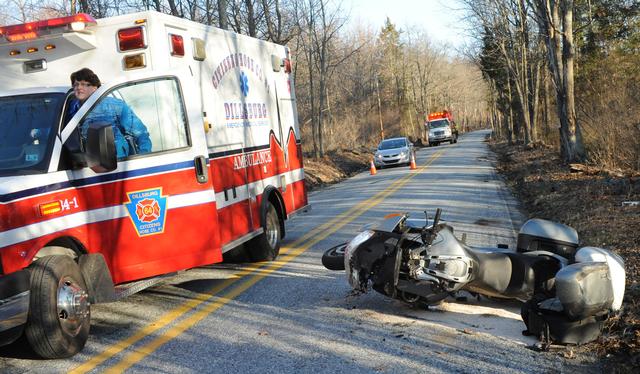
[{"x": 100, "y": 150}]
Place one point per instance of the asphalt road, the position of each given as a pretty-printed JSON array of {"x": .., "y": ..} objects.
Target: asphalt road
[{"x": 294, "y": 316}]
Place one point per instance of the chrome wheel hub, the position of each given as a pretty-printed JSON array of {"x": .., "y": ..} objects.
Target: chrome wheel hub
[
  {"x": 272, "y": 230},
  {"x": 72, "y": 306}
]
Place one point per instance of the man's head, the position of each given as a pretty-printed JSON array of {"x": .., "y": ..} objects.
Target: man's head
[{"x": 85, "y": 82}]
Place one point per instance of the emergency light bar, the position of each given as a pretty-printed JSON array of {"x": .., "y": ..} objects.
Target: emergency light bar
[
  {"x": 439, "y": 115},
  {"x": 32, "y": 30}
]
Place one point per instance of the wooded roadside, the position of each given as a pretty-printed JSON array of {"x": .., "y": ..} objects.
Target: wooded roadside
[{"x": 603, "y": 205}]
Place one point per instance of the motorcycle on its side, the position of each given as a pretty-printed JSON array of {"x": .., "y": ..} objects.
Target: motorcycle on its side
[{"x": 567, "y": 291}]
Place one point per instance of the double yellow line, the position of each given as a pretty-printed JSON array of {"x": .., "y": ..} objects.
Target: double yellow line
[{"x": 209, "y": 302}]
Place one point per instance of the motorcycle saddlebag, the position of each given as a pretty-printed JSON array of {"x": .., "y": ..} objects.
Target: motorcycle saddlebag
[
  {"x": 547, "y": 321},
  {"x": 585, "y": 289},
  {"x": 542, "y": 235},
  {"x": 584, "y": 295}
]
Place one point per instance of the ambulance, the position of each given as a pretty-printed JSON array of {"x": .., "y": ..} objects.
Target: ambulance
[
  {"x": 78, "y": 225},
  {"x": 440, "y": 127}
]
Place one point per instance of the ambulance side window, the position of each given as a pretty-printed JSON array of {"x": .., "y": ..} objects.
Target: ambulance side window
[{"x": 158, "y": 105}]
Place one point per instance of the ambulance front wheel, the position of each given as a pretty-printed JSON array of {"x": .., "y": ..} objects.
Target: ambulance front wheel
[
  {"x": 266, "y": 246},
  {"x": 59, "y": 311}
]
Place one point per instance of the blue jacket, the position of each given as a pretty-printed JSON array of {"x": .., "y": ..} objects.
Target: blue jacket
[{"x": 124, "y": 121}]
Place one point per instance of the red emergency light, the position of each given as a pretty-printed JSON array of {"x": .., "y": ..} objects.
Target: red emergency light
[
  {"x": 177, "y": 45},
  {"x": 131, "y": 38},
  {"x": 32, "y": 30},
  {"x": 287, "y": 65}
]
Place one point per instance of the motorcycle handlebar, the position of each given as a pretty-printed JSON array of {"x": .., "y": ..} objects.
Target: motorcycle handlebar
[
  {"x": 428, "y": 234},
  {"x": 436, "y": 219}
]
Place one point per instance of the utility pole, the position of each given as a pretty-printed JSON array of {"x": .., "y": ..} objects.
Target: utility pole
[{"x": 379, "y": 110}]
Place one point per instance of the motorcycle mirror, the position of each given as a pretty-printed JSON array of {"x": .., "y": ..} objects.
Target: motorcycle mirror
[
  {"x": 436, "y": 219},
  {"x": 428, "y": 235}
]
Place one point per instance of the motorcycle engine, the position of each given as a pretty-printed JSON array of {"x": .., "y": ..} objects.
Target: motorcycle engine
[
  {"x": 454, "y": 268},
  {"x": 448, "y": 268},
  {"x": 439, "y": 268}
]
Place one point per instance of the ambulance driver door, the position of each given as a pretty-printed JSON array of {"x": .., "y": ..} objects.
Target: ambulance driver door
[{"x": 158, "y": 203}]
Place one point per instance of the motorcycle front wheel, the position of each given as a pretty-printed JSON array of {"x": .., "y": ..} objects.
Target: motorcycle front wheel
[{"x": 333, "y": 258}]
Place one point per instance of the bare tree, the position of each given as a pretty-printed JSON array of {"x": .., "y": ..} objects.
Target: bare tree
[
  {"x": 320, "y": 26},
  {"x": 508, "y": 45},
  {"x": 555, "y": 18}
]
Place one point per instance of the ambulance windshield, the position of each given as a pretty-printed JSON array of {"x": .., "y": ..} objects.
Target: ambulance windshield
[
  {"x": 438, "y": 123},
  {"x": 27, "y": 127}
]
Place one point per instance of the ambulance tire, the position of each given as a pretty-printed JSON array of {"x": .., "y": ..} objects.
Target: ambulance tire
[
  {"x": 266, "y": 246},
  {"x": 59, "y": 313}
]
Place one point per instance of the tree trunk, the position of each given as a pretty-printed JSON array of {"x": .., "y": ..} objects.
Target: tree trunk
[
  {"x": 251, "y": 18},
  {"x": 223, "y": 19},
  {"x": 173, "y": 8},
  {"x": 379, "y": 110},
  {"x": 84, "y": 7},
  {"x": 556, "y": 21},
  {"x": 573, "y": 137},
  {"x": 509, "y": 117}
]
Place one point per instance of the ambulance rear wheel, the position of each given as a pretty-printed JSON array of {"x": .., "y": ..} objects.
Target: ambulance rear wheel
[
  {"x": 59, "y": 312},
  {"x": 266, "y": 246}
]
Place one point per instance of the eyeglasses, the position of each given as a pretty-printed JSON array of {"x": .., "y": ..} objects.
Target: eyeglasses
[{"x": 81, "y": 84}]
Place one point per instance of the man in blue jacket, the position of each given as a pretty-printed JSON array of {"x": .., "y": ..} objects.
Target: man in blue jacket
[{"x": 131, "y": 135}]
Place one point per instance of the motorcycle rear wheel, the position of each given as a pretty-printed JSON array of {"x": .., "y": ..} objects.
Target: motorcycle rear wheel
[{"x": 333, "y": 258}]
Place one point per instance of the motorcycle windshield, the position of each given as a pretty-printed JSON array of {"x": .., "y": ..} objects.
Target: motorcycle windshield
[
  {"x": 350, "y": 267},
  {"x": 28, "y": 125}
]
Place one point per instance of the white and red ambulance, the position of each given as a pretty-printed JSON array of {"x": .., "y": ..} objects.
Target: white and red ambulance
[{"x": 225, "y": 167}]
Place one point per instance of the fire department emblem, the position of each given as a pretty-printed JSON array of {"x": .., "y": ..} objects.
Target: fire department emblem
[{"x": 147, "y": 210}]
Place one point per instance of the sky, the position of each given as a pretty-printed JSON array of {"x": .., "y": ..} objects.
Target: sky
[{"x": 441, "y": 19}]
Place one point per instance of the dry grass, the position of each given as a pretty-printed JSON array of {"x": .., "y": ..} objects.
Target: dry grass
[
  {"x": 335, "y": 166},
  {"x": 593, "y": 204}
]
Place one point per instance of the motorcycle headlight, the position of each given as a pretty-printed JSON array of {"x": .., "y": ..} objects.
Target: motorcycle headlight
[{"x": 349, "y": 250}]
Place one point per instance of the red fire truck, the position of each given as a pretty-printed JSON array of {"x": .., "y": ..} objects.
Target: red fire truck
[{"x": 78, "y": 223}]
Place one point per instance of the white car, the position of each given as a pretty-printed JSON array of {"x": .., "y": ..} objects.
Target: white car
[{"x": 393, "y": 151}]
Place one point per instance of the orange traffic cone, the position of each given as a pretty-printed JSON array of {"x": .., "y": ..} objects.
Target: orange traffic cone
[
  {"x": 372, "y": 169},
  {"x": 412, "y": 165}
]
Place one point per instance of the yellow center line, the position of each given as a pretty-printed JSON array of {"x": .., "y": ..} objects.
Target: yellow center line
[{"x": 287, "y": 254}]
